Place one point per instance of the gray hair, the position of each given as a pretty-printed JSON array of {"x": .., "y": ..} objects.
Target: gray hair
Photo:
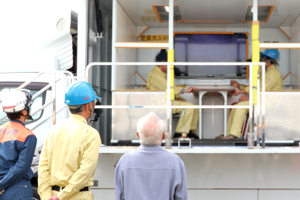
[
  {"x": 75, "y": 109},
  {"x": 150, "y": 129}
]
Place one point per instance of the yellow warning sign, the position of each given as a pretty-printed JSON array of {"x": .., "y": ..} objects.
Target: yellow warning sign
[{"x": 154, "y": 38}]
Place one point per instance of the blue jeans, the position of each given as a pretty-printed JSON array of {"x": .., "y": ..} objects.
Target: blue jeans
[{"x": 21, "y": 190}]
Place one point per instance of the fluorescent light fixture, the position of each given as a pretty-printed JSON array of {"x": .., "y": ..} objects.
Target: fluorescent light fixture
[
  {"x": 162, "y": 12},
  {"x": 167, "y": 8},
  {"x": 263, "y": 12}
]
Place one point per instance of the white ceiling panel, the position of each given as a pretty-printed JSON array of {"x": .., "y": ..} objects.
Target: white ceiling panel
[
  {"x": 196, "y": 10},
  {"x": 200, "y": 11}
]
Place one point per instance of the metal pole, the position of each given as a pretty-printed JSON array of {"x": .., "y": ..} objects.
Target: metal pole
[
  {"x": 263, "y": 101},
  {"x": 114, "y": 40},
  {"x": 258, "y": 121},
  {"x": 171, "y": 23},
  {"x": 53, "y": 98},
  {"x": 82, "y": 37},
  {"x": 255, "y": 11},
  {"x": 169, "y": 101},
  {"x": 250, "y": 135}
]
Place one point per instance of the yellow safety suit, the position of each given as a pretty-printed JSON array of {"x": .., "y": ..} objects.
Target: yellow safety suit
[
  {"x": 273, "y": 81},
  {"x": 157, "y": 80},
  {"x": 69, "y": 159}
]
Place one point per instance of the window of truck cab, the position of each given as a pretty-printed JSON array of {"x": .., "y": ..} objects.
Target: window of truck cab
[{"x": 37, "y": 103}]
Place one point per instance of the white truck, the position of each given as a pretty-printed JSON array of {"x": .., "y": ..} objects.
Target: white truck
[
  {"x": 44, "y": 39},
  {"x": 36, "y": 52}
]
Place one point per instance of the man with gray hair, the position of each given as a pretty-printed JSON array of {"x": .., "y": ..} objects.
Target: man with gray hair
[{"x": 150, "y": 172}]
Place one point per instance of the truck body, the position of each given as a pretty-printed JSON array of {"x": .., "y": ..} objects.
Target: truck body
[{"x": 112, "y": 44}]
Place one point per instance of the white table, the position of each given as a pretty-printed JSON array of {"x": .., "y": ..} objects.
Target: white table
[{"x": 222, "y": 89}]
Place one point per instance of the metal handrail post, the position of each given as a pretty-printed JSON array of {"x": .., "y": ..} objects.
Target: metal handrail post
[
  {"x": 168, "y": 137},
  {"x": 263, "y": 106},
  {"x": 53, "y": 98},
  {"x": 258, "y": 121}
]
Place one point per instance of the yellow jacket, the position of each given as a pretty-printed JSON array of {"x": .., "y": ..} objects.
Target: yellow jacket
[
  {"x": 273, "y": 79},
  {"x": 157, "y": 80},
  {"x": 68, "y": 158}
]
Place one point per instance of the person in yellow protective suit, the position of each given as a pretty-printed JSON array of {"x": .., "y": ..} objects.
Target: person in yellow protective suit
[
  {"x": 157, "y": 80},
  {"x": 70, "y": 153},
  {"x": 241, "y": 87},
  {"x": 273, "y": 81}
]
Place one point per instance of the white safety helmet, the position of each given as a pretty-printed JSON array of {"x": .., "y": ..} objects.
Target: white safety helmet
[{"x": 16, "y": 101}]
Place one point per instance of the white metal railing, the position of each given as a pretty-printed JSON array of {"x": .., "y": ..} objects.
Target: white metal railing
[
  {"x": 169, "y": 106},
  {"x": 52, "y": 101}
]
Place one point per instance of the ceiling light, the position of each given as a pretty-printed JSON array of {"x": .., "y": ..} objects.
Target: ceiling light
[
  {"x": 167, "y": 8},
  {"x": 263, "y": 13},
  {"x": 162, "y": 12}
]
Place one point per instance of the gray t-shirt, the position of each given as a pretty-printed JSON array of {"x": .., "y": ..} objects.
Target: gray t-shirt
[{"x": 149, "y": 173}]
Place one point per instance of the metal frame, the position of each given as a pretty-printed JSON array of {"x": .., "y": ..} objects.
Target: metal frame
[
  {"x": 262, "y": 64},
  {"x": 170, "y": 45},
  {"x": 72, "y": 80}
]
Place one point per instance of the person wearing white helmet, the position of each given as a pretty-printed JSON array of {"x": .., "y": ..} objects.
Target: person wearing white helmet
[
  {"x": 70, "y": 153},
  {"x": 17, "y": 146},
  {"x": 273, "y": 81}
]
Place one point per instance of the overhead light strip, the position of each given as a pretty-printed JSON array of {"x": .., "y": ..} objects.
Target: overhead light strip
[{"x": 167, "y": 8}]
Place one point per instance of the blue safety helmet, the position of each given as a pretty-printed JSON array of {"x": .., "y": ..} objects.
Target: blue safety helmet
[
  {"x": 272, "y": 53},
  {"x": 80, "y": 93}
]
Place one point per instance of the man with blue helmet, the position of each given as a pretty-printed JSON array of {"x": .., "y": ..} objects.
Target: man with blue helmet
[
  {"x": 273, "y": 81},
  {"x": 70, "y": 153}
]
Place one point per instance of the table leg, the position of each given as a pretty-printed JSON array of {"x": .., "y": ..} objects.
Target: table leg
[
  {"x": 201, "y": 94},
  {"x": 225, "y": 111}
]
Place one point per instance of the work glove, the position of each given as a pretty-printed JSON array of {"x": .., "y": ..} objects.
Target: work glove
[{"x": 1, "y": 192}]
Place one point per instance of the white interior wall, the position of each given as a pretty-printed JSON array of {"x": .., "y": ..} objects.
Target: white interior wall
[
  {"x": 276, "y": 35},
  {"x": 145, "y": 55},
  {"x": 124, "y": 77},
  {"x": 295, "y": 55},
  {"x": 266, "y": 34},
  {"x": 214, "y": 127}
]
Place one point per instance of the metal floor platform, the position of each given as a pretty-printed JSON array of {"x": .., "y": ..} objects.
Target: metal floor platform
[{"x": 209, "y": 142}]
